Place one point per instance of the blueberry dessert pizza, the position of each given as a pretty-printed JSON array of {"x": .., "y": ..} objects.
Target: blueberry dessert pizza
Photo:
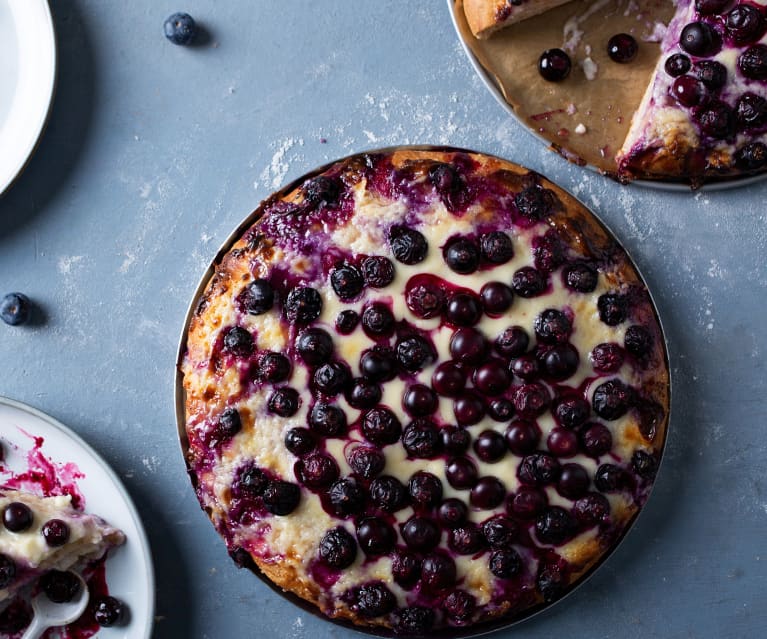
[
  {"x": 425, "y": 389},
  {"x": 651, "y": 89}
]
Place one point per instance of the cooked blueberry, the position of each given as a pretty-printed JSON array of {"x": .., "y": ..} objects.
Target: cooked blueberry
[
  {"x": 327, "y": 420},
  {"x": 414, "y": 353},
  {"x": 753, "y": 62},
  {"x": 7, "y": 571},
  {"x": 420, "y": 533},
  {"x": 527, "y": 502},
  {"x": 448, "y": 379},
  {"x": 463, "y": 309},
  {"x": 613, "y": 308},
  {"x": 419, "y": 400},
  {"x": 408, "y": 245},
  {"x": 377, "y": 320},
  {"x": 596, "y": 439},
  {"x": 533, "y": 202},
  {"x": 108, "y": 611},
  {"x": 677, "y": 64},
  {"x": 299, "y": 441},
  {"x": 751, "y": 156},
  {"x": 526, "y": 367},
  {"x": 375, "y": 536},
  {"x": 425, "y": 488},
  {"x": 580, "y": 277},
  {"x": 227, "y": 426},
  {"x": 522, "y": 437},
  {"x": 303, "y": 305},
  {"x": 273, "y": 367},
  {"x": 500, "y": 532},
  {"x": 529, "y": 282},
  {"x": 468, "y": 346},
  {"x": 699, "y": 39},
  {"x": 413, "y": 620},
  {"x": 316, "y": 470},
  {"x": 607, "y": 357},
  {"x": 751, "y": 111},
  {"x": 573, "y": 482},
  {"x": 611, "y": 400},
  {"x": 531, "y": 399},
  {"x": 715, "y": 119},
  {"x": 425, "y": 296},
  {"x": 388, "y": 493},
  {"x": 347, "y": 282},
  {"x": 375, "y": 600},
  {"x": 555, "y": 526},
  {"x": 315, "y": 346},
  {"x": 551, "y": 582},
  {"x": 59, "y": 586},
  {"x": 448, "y": 183},
  {"x": 644, "y": 464},
  {"x": 346, "y": 497},
  {"x": 487, "y": 493},
  {"x": 258, "y": 297},
  {"x": 513, "y": 342},
  {"x": 745, "y": 24},
  {"x": 468, "y": 409},
  {"x": 496, "y": 247},
  {"x": 505, "y": 563},
  {"x": 322, "y": 189},
  {"x": 561, "y": 361},
  {"x": 381, "y": 426},
  {"x": 363, "y": 394},
  {"x": 437, "y": 572},
  {"x": 378, "y": 364},
  {"x": 490, "y": 446},
  {"x": 500, "y": 409},
  {"x": 238, "y": 342},
  {"x": 496, "y": 298},
  {"x": 421, "y": 439},
  {"x": 591, "y": 509},
  {"x": 15, "y": 309},
  {"x": 610, "y": 478},
  {"x": 492, "y": 377},
  {"x": 548, "y": 252},
  {"x": 711, "y": 73},
  {"x": 572, "y": 411},
  {"x": 55, "y": 532},
  {"x": 461, "y": 255},
  {"x": 455, "y": 439},
  {"x": 180, "y": 28},
  {"x": 378, "y": 271},
  {"x": 347, "y": 321},
  {"x": 538, "y": 469},
  {"x": 332, "y": 378},
  {"x": 17, "y": 517},
  {"x": 461, "y": 472},
  {"x": 281, "y": 497},
  {"x": 562, "y": 442},
  {"x": 366, "y": 462},
  {"x": 688, "y": 91},
  {"x": 466, "y": 539},
  {"x": 251, "y": 481},
  {"x": 711, "y": 7},
  {"x": 284, "y": 402},
  {"x": 452, "y": 512},
  {"x": 554, "y": 65},
  {"x": 406, "y": 569},
  {"x": 338, "y": 549},
  {"x": 622, "y": 48},
  {"x": 459, "y": 605}
]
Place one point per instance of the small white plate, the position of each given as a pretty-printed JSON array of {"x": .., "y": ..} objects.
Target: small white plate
[
  {"x": 27, "y": 80},
  {"x": 129, "y": 570}
]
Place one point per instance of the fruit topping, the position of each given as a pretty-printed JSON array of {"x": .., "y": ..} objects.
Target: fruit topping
[
  {"x": 7, "y": 571},
  {"x": 461, "y": 472},
  {"x": 381, "y": 426},
  {"x": 378, "y": 271},
  {"x": 108, "y": 611},
  {"x": 461, "y": 255},
  {"x": 580, "y": 277},
  {"x": 496, "y": 298},
  {"x": 468, "y": 346},
  {"x": 338, "y": 549},
  {"x": 591, "y": 509},
  {"x": 425, "y": 489},
  {"x": 611, "y": 400},
  {"x": 375, "y": 600},
  {"x": 408, "y": 245},
  {"x": 300, "y": 441},
  {"x": 452, "y": 512},
  {"x": 606, "y": 358},
  {"x": 753, "y": 62},
  {"x": 17, "y": 517},
  {"x": 347, "y": 321},
  {"x": 496, "y": 247},
  {"x": 505, "y": 563},
  {"x": 59, "y": 586},
  {"x": 529, "y": 282},
  {"x": 238, "y": 342},
  {"x": 378, "y": 364},
  {"x": 303, "y": 305},
  {"x": 347, "y": 282},
  {"x": 613, "y": 308},
  {"x": 711, "y": 73},
  {"x": 425, "y": 296},
  {"x": 273, "y": 367},
  {"x": 377, "y": 320},
  {"x": 596, "y": 439},
  {"x": 555, "y": 526},
  {"x": 466, "y": 539},
  {"x": 745, "y": 24},
  {"x": 538, "y": 469},
  {"x": 388, "y": 493},
  {"x": 414, "y": 353},
  {"x": 463, "y": 309},
  {"x": 284, "y": 402},
  {"x": 572, "y": 411},
  {"x": 490, "y": 446},
  {"x": 699, "y": 39},
  {"x": 421, "y": 439},
  {"x": 375, "y": 536},
  {"x": 438, "y": 571},
  {"x": 487, "y": 493},
  {"x": 419, "y": 400},
  {"x": 346, "y": 497},
  {"x": 332, "y": 378},
  {"x": 715, "y": 119},
  {"x": 512, "y": 342},
  {"x": 366, "y": 462},
  {"x": 522, "y": 437},
  {"x": 316, "y": 470},
  {"x": 281, "y": 497},
  {"x": 459, "y": 606},
  {"x": 677, "y": 64},
  {"x": 55, "y": 532},
  {"x": 420, "y": 533}
]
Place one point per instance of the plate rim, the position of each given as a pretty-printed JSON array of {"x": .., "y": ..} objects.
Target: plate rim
[
  {"x": 487, "y": 627},
  {"x": 653, "y": 185},
  {"x": 48, "y": 84},
  {"x": 142, "y": 540}
]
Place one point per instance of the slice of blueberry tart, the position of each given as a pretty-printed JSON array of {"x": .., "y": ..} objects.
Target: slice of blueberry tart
[{"x": 424, "y": 389}]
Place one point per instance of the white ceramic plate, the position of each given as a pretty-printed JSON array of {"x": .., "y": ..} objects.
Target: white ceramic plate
[
  {"x": 129, "y": 571},
  {"x": 27, "y": 80}
]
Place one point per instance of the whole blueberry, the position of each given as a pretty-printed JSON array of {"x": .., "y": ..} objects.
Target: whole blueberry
[
  {"x": 406, "y": 568},
  {"x": 459, "y": 605},
  {"x": 59, "y": 586},
  {"x": 381, "y": 426},
  {"x": 377, "y": 320},
  {"x": 378, "y": 271},
  {"x": 363, "y": 394},
  {"x": 622, "y": 48},
  {"x": 461, "y": 472},
  {"x": 505, "y": 563},
  {"x": 750, "y": 111},
  {"x": 273, "y": 367},
  {"x": 332, "y": 378},
  {"x": 251, "y": 481},
  {"x": 300, "y": 441},
  {"x": 452, "y": 512},
  {"x": 500, "y": 531},
  {"x": 375, "y": 600},
  {"x": 425, "y": 488},
  {"x": 438, "y": 571},
  {"x": 316, "y": 470},
  {"x": 711, "y": 73},
  {"x": 15, "y": 309},
  {"x": 414, "y": 353},
  {"x": 375, "y": 536},
  {"x": 378, "y": 364},
  {"x": 512, "y": 342},
  {"x": 420, "y": 533},
  {"x": 753, "y": 62},
  {"x": 338, "y": 548},
  {"x": 108, "y": 611},
  {"x": 533, "y": 202},
  {"x": 180, "y": 28},
  {"x": 408, "y": 245},
  {"x": 751, "y": 156},
  {"x": 555, "y": 526},
  {"x": 551, "y": 581},
  {"x": 496, "y": 247},
  {"x": 607, "y": 357},
  {"x": 644, "y": 464},
  {"x": 529, "y": 282},
  {"x": 538, "y": 469},
  {"x": 281, "y": 497},
  {"x": 552, "y": 326},
  {"x": 315, "y": 346},
  {"x": 610, "y": 478},
  {"x": 466, "y": 539},
  {"x": 699, "y": 39},
  {"x": 55, "y": 532},
  {"x": 612, "y": 399},
  {"x": 388, "y": 493},
  {"x": 462, "y": 255},
  {"x": 425, "y": 296},
  {"x": 346, "y": 497},
  {"x": 322, "y": 190},
  {"x": 284, "y": 402},
  {"x": 580, "y": 277},
  {"x": 17, "y": 517},
  {"x": 347, "y": 281},
  {"x": 745, "y": 24},
  {"x": 464, "y": 309},
  {"x": 572, "y": 411},
  {"x": 455, "y": 439},
  {"x": 613, "y": 308},
  {"x": 346, "y": 321},
  {"x": 327, "y": 420},
  {"x": 366, "y": 462},
  {"x": 488, "y": 493},
  {"x": 496, "y": 298},
  {"x": 522, "y": 437},
  {"x": 554, "y": 65},
  {"x": 677, "y": 64},
  {"x": 303, "y": 305},
  {"x": 591, "y": 509},
  {"x": 258, "y": 297},
  {"x": 238, "y": 341},
  {"x": 413, "y": 620}
]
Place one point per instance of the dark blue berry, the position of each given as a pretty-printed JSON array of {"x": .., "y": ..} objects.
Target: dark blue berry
[
  {"x": 466, "y": 539},
  {"x": 459, "y": 605},
  {"x": 180, "y": 28},
  {"x": 381, "y": 426},
  {"x": 413, "y": 620},
  {"x": 711, "y": 73},
  {"x": 551, "y": 582},
  {"x": 59, "y": 586},
  {"x": 490, "y": 446},
  {"x": 419, "y": 400},
  {"x": 461, "y": 472},
  {"x": 258, "y": 297},
  {"x": 529, "y": 282},
  {"x": 15, "y": 309},
  {"x": 716, "y": 119},
  {"x": 452, "y": 512},
  {"x": 420, "y": 533},
  {"x": 552, "y": 326},
  {"x": 622, "y": 48},
  {"x": 513, "y": 342},
  {"x": 699, "y": 39},
  {"x": 463, "y": 309},
  {"x": 425, "y": 296},
  {"x": 610, "y": 478},
  {"x": 607, "y": 357},
  {"x": 108, "y": 611},
  {"x": 322, "y": 190},
  {"x": 438, "y": 571},
  {"x": 414, "y": 353},
  {"x": 408, "y": 245},
  {"x": 677, "y": 65},
  {"x": 316, "y": 470},
  {"x": 273, "y": 367},
  {"x": 751, "y": 156},
  {"x": 753, "y": 62},
  {"x": 251, "y": 481},
  {"x": 522, "y": 437},
  {"x": 468, "y": 346},
  {"x": 300, "y": 441},
  {"x": 505, "y": 563},
  {"x": 55, "y": 532},
  {"x": 613, "y": 308},
  {"x": 284, "y": 402},
  {"x": 531, "y": 399},
  {"x": 377, "y": 320},
  {"x": 500, "y": 409},
  {"x": 375, "y": 536},
  {"x": 327, "y": 420},
  {"x": 7, "y": 571},
  {"x": 596, "y": 440},
  {"x": 538, "y": 469},
  {"x": 496, "y": 247},
  {"x": 580, "y": 277},
  {"x": 455, "y": 439},
  {"x": 347, "y": 282},
  {"x": 469, "y": 409},
  {"x": 366, "y": 462},
  {"x": 644, "y": 464},
  {"x": 572, "y": 411},
  {"x": 561, "y": 361},
  {"x": 500, "y": 532},
  {"x": 745, "y": 24},
  {"x": 488, "y": 493},
  {"x": 461, "y": 255},
  {"x": 378, "y": 271},
  {"x": 555, "y": 526},
  {"x": 425, "y": 489},
  {"x": 229, "y": 423},
  {"x": 612, "y": 399},
  {"x": 379, "y": 364},
  {"x": 388, "y": 493},
  {"x": 492, "y": 377},
  {"x": 347, "y": 321},
  {"x": 363, "y": 394},
  {"x": 303, "y": 305},
  {"x": 338, "y": 548},
  {"x": 238, "y": 342},
  {"x": 375, "y": 600},
  {"x": 346, "y": 497},
  {"x": 554, "y": 65},
  {"x": 315, "y": 346},
  {"x": 591, "y": 509},
  {"x": 573, "y": 481},
  {"x": 406, "y": 568},
  {"x": 332, "y": 378},
  {"x": 496, "y": 298},
  {"x": 750, "y": 111}
]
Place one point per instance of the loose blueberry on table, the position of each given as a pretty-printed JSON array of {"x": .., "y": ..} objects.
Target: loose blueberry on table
[
  {"x": 15, "y": 309},
  {"x": 180, "y": 28},
  {"x": 443, "y": 380}
]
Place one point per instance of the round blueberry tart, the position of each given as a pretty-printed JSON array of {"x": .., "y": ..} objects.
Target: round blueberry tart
[{"x": 423, "y": 389}]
